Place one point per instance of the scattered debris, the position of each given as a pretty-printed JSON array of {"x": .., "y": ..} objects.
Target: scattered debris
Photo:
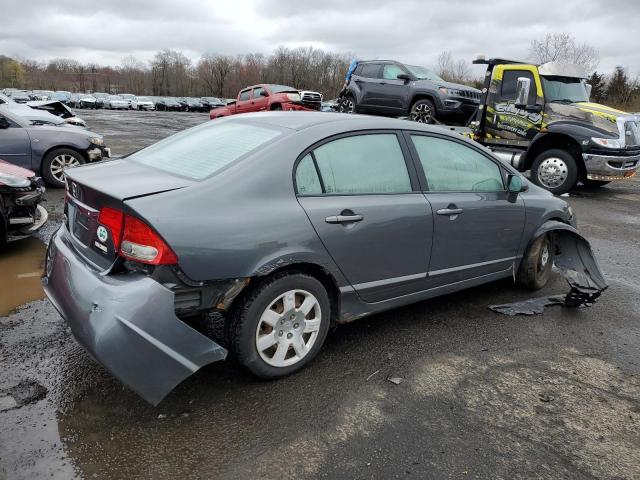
[
  {"x": 545, "y": 397},
  {"x": 161, "y": 416},
  {"x": 395, "y": 380},
  {"x": 372, "y": 375},
  {"x": 24, "y": 393},
  {"x": 533, "y": 306}
]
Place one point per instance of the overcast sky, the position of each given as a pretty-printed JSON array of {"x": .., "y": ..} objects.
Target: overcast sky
[{"x": 413, "y": 31}]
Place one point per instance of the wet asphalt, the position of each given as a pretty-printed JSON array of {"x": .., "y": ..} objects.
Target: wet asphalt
[{"x": 476, "y": 394}]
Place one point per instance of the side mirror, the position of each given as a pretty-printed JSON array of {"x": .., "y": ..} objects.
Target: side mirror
[
  {"x": 516, "y": 185},
  {"x": 4, "y": 123},
  {"x": 264, "y": 93},
  {"x": 522, "y": 91},
  {"x": 588, "y": 87},
  {"x": 403, "y": 76}
]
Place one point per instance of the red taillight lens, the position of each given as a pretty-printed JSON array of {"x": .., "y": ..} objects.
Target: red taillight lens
[
  {"x": 112, "y": 219},
  {"x": 142, "y": 244},
  {"x": 134, "y": 239}
]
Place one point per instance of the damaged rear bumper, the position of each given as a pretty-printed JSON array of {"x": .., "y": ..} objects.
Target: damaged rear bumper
[{"x": 126, "y": 322}]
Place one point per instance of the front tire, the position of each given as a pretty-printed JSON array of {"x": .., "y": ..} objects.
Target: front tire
[
  {"x": 423, "y": 111},
  {"x": 535, "y": 269},
  {"x": 281, "y": 326},
  {"x": 555, "y": 170},
  {"x": 56, "y": 161}
]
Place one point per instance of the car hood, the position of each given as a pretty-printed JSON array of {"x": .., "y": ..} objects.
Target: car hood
[
  {"x": 590, "y": 114},
  {"x": 6, "y": 167},
  {"x": 31, "y": 114},
  {"x": 442, "y": 83},
  {"x": 64, "y": 129}
]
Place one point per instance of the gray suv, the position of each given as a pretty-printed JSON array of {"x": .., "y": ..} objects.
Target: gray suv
[{"x": 386, "y": 87}]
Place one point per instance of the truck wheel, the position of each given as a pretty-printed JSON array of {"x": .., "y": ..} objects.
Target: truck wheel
[
  {"x": 555, "y": 170},
  {"x": 423, "y": 111},
  {"x": 594, "y": 183},
  {"x": 281, "y": 325},
  {"x": 535, "y": 268},
  {"x": 56, "y": 161}
]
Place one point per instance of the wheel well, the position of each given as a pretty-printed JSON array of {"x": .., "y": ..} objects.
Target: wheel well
[
  {"x": 69, "y": 147},
  {"x": 555, "y": 140},
  {"x": 274, "y": 105},
  {"x": 313, "y": 270},
  {"x": 422, "y": 96}
]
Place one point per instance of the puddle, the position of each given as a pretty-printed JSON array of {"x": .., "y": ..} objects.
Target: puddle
[{"x": 20, "y": 271}]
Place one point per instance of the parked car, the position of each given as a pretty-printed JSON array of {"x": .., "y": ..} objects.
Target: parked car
[
  {"x": 191, "y": 104},
  {"x": 19, "y": 96},
  {"x": 266, "y": 97},
  {"x": 61, "y": 96},
  {"x": 101, "y": 99},
  {"x": 116, "y": 102},
  {"x": 196, "y": 225},
  {"x": 128, "y": 97},
  {"x": 41, "y": 94},
  {"x": 58, "y": 109},
  {"x": 48, "y": 149},
  {"x": 21, "y": 214},
  {"x": 86, "y": 101},
  {"x": 143, "y": 103},
  {"x": 168, "y": 104},
  {"x": 31, "y": 113},
  {"x": 387, "y": 87},
  {"x": 210, "y": 103}
]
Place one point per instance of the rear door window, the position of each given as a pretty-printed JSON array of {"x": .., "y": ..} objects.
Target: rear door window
[
  {"x": 363, "y": 164},
  {"x": 201, "y": 151},
  {"x": 370, "y": 70}
]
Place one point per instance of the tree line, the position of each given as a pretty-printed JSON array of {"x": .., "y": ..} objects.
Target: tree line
[{"x": 171, "y": 73}]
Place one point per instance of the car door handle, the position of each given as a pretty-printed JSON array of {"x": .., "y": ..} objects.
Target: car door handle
[
  {"x": 343, "y": 218},
  {"x": 449, "y": 211}
]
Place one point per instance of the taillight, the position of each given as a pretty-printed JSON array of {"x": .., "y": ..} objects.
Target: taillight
[
  {"x": 135, "y": 240},
  {"x": 113, "y": 220}
]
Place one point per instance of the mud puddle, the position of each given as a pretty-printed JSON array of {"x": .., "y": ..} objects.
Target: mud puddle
[{"x": 20, "y": 271}]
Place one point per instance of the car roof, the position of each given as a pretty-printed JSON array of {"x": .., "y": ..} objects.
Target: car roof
[{"x": 304, "y": 120}]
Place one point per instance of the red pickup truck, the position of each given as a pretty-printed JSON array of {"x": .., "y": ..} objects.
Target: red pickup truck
[{"x": 269, "y": 97}]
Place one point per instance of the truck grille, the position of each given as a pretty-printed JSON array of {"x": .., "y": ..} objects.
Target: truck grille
[
  {"x": 311, "y": 99},
  {"x": 632, "y": 134}
]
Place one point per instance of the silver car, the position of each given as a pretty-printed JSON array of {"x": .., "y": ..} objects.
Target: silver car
[
  {"x": 143, "y": 103},
  {"x": 116, "y": 102},
  {"x": 285, "y": 224}
]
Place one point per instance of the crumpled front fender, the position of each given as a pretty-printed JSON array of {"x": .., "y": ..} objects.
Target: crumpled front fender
[{"x": 574, "y": 258}]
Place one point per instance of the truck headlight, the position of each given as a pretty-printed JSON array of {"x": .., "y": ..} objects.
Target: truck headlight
[
  {"x": 608, "y": 142},
  {"x": 294, "y": 97},
  {"x": 96, "y": 141}
]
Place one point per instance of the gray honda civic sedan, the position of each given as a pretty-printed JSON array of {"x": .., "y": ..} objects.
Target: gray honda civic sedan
[{"x": 285, "y": 224}]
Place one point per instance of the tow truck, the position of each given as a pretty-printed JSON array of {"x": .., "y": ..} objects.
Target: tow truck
[{"x": 539, "y": 118}]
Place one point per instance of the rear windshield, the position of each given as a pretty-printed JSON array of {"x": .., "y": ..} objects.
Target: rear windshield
[{"x": 201, "y": 151}]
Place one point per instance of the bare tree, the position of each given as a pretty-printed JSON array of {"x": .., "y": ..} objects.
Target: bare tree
[
  {"x": 452, "y": 70},
  {"x": 562, "y": 47}
]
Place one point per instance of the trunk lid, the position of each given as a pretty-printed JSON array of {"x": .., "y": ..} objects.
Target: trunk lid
[{"x": 108, "y": 184}]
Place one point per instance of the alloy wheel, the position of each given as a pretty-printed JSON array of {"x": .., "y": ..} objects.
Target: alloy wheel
[
  {"x": 60, "y": 163},
  {"x": 288, "y": 328},
  {"x": 421, "y": 113},
  {"x": 552, "y": 172}
]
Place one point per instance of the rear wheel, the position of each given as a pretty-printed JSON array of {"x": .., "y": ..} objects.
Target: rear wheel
[
  {"x": 281, "y": 325},
  {"x": 555, "y": 170},
  {"x": 535, "y": 269},
  {"x": 56, "y": 162},
  {"x": 423, "y": 111},
  {"x": 277, "y": 106}
]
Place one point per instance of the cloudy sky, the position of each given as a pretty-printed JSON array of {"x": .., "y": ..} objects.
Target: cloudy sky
[{"x": 413, "y": 31}]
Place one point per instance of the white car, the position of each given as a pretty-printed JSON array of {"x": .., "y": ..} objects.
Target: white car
[
  {"x": 143, "y": 103},
  {"x": 116, "y": 102}
]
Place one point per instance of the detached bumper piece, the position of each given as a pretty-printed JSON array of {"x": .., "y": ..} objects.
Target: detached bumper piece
[
  {"x": 574, "y": 258},
  {"x": 126, "y": 322}
]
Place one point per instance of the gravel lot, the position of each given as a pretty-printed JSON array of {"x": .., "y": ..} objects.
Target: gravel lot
[{"x": 482, "y": 395}]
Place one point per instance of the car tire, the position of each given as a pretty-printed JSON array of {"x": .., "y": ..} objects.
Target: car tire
[
  {"x": 277, "y": 106},
  {"x": 555, "y": 170},
  {"x": 535, "y": 268},
  {"x": 259, "y": 335},
  {"x": 56, "y": 161},
  {"x": 594, "y": 183},
  {"x": 348, "y": 104},
  {"x": 423, "y": 111}
]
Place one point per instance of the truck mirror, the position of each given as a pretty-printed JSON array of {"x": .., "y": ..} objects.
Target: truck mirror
[
  {"x": 589, "y": 87},
  {"x": 522, "y": 92},
  {"x": 264, "y": 93},
  {"x": 403, "y": 76}
]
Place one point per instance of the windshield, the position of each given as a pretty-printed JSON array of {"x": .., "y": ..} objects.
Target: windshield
[
  {"x": 201, "y": 151},
  {"x": 422, "y": 73},
  {"x": 143, "y": 99},
  {"x": 564, "y": 89},
  {"x": 281, "y": 88}
]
